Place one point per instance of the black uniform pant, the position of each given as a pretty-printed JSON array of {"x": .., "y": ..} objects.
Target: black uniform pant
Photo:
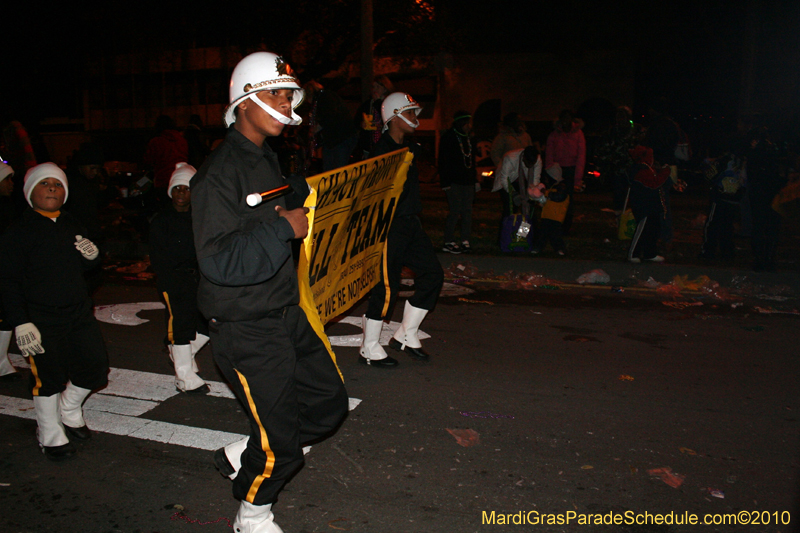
[
  {"x": 407, "y": 245},
  {"x": 184, "y": 320},
  {"x": 290, "y": 387},
  {"x": 74, "y": 349}
]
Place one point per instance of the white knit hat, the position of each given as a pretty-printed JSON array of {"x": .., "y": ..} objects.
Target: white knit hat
[
  {"x": 5, "y": 171},
  {"x": 182, "y": 175},
  {"x": 40, "y": 172}
]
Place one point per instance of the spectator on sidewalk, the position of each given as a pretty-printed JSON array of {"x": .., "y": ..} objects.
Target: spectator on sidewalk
[
  {"x": 613, "y": 157},
  {"x": 512, "y": 136},
  {"x": 457, "y": 175},
  {"x": 566, "y": 146},
  {"x": 525, "y": 161},
  {"x": 726, "y": 174},
  {"x": 647, "y": 203},
  {"x": 662, "y": 137},
  {"x": 554, "y": 209}
]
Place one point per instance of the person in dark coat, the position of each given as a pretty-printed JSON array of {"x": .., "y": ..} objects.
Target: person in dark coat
[
  {"x": 647, "y": 178},
  {"x": 457, "y": 176},
  {"x": 173, "y": 258},
  {"x": 276, "y": 363},
  {"x": 407, "y": 245}
]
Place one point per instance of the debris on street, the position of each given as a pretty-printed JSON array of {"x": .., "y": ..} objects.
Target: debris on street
[
  {"x": 483, "y": 414},
  {"x": 594, "y": 277},
  {"x": 465, "y": 437},
  {"x": 667, "y": 476}
]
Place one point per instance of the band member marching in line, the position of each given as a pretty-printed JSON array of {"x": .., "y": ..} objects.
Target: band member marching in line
[
  {"x": 407, "y": 244},
  {"x": 262, "y": 341},
  {"x": 174, "y": 261},
  {"x": 45, "y": 297}
]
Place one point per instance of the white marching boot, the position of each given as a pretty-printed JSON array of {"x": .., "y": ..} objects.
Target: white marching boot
[
  {"x": 372, "y": 353},
  {"x": 228, "y": 460},
  {"x": 50, "y": 432},
  {"x": 255, "y": 519},
  {"x": 185, "y": 378},
  {"x": 197, "y": 344},
  {"x": 405, "y": 339},
  {"x": 6, "y": 368},
  {"x": 70, "y": 402}
]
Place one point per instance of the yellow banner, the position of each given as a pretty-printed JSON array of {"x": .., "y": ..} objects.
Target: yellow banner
[{"x": 350, "y": 212}]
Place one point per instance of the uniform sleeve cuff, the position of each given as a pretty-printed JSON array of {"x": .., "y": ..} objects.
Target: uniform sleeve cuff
[{"x": 283, "y": 229}]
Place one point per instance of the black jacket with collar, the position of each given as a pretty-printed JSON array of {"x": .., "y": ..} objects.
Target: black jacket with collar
[
  {"x": 244, "y": 252},
  {"x": 409, "y": 202},
  {"x": 40, "y": 266}
]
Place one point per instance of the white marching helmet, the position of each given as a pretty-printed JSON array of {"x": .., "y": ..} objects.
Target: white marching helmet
[
  {"x": 263, "y": 71},
  {"x": 394, "y": 104}
]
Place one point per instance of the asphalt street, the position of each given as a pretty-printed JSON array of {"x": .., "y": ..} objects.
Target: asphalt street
[{"x": 547, "y": 401}]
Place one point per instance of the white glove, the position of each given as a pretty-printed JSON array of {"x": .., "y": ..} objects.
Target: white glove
[
  {"x": 86, "y": 247},
  {"x": 29, "y": 340}
]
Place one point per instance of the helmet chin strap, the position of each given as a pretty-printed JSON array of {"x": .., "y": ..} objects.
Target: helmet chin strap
[
  {"x": 295, "y": 119},
  {"x": 400, "y": 115},
  {"x": 411, "y": 124}
]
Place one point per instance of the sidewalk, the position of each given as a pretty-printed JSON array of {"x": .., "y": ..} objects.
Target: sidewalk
[{"x": 623, "y": 273}]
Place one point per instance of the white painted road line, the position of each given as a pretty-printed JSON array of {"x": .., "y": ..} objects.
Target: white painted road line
[
  {"x": 125, "y": 315},
  {"x": 140, "y": 428},
  {"x": 130, "y": 394}
]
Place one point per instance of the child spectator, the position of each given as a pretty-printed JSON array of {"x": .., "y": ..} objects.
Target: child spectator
[
  {"x": 45, "y": 297},
  {"x": 647, "y": 204},
  {"x": 556, "y": 194},
  {"x": 174, "y": 261},
  {"x": 727, "y": 188}
]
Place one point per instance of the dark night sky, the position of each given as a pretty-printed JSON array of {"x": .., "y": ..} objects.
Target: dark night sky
[{"x": 690, "y": 52}]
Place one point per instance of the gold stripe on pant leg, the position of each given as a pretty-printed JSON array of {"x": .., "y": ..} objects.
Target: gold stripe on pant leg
[{"x": 270, "y": 464}]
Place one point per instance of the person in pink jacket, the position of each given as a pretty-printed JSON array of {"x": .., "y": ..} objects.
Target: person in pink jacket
[{"x": 567, "y": 147}]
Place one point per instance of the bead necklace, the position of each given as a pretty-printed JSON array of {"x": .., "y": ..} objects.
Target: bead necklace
[{"x": 468, "y": 154}]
